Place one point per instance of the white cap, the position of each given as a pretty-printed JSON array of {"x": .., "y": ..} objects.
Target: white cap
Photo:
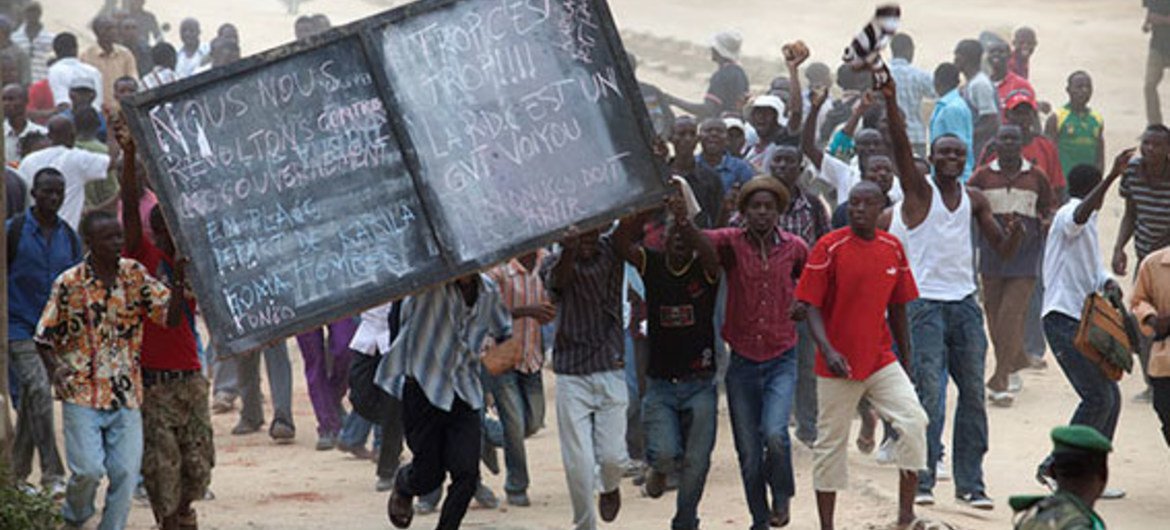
[
  {"x": 771, "y": 102},
  {"x": 727, "y": 44}
]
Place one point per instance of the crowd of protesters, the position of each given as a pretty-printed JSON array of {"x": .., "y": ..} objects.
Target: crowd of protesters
[{"x": 828, "y": 254}]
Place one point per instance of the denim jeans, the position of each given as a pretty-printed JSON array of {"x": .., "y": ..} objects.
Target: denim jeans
[
  {"x": 806, "y": 385},
  {"x": 520, "y": 403},
  {"x": 355, "y": 430},
  {"x": 1100, "y": 404},
  {"x": 759, "y": 398},
  {"x": 97, "y": 443},
  {"x": 34, "y": 425},
  {"x": 679, "y": 420},
  {"x": 948, "y": 338},
  {"x": 636, "y": 358}
]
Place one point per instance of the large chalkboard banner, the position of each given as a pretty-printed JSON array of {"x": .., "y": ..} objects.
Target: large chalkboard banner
[{"x": 326, "y": 176}]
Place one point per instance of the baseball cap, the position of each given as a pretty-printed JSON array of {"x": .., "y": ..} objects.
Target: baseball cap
[{"x": 1018, "y": 97}]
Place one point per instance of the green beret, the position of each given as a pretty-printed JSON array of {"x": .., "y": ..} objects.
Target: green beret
[{"x": 1079, "y": 438}]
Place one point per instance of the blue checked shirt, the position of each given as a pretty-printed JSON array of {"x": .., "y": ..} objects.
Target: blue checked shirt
[
  {"x": 913, "y": 85},
  {"x": 439, "y": 340}
]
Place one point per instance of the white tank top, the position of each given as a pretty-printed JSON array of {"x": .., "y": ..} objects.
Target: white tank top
[{"x": 940, "y": 249}]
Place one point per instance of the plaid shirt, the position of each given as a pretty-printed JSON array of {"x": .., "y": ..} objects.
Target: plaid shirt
[
  {"x": 521, "y": 287},
  {"x": 806, "y": 218}
]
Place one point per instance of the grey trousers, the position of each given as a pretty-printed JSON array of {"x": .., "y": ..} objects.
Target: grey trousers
[
  {"x": 34, "y": 426},
  {"x": 279, "y": 370}
]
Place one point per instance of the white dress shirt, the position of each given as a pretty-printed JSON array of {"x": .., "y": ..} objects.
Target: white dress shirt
[
  {"x": 1072, "y": 262},
  {"x": 78, "y": 166}
]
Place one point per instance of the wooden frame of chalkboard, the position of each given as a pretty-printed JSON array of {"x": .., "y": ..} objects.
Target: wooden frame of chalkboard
[{"x": 436, "y": 238}]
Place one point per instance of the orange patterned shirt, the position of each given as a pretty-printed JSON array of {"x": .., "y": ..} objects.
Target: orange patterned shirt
[{"x": 95, "y": 331}]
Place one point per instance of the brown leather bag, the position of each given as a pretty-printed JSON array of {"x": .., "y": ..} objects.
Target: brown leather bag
[{"x": 1102, "y": 337}]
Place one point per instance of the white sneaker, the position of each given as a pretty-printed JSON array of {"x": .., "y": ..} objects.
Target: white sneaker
[
  {"x": 885, "y": 453},
  {"x": 1015, "y": 383},
  {"x": 924, "y": 498},
  {"x": 1001, "y": 399},
  {"x": 1112, "y": 494},
  {"x": 942, "y": 473}
]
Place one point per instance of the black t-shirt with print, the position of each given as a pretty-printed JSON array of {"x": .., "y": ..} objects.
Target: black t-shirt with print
[{"x": 680, "y": 311}]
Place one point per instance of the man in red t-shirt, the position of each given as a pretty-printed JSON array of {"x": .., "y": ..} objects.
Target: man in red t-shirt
[
  {"x": 178, "y": 452},
  {"x": 853, "y": 278}
]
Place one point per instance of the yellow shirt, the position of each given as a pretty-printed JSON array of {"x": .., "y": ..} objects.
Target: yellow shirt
[{"x": 119, "y": 62}]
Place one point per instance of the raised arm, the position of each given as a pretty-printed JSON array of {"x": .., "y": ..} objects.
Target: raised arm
[
  {"x": 1096, "y": 198},
  {"x": 914, "y": 184},
  {"x": 808, "y": 135},
  {"x": 624, "y": 244},
  {"x": 795, "y": 54},
  {"x": 130, "y": 191}
]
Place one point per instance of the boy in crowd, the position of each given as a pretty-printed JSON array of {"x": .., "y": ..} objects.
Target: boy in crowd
[
  {"x": 433, "y": 367},
  {"x": 856, "y": 359},
  {"x": 680, "y": 405},
  {"x": 934, "y": 222},
  {"x": 585, "y": 280},
  {"x": 1077, "y": 129},
  {"x": 763, "y": 263},
  {"x": 178, "y": 450}
]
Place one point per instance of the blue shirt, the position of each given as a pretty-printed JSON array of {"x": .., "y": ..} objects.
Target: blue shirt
[
  {"x": 440, "y": 340},
  {"x": 952, "y": 115},
  {"x": 731, "y": 170},
  {"x": 30, "y": 276}
]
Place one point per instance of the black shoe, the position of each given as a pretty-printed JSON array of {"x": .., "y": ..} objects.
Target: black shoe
[
  {"x": 400, "y": 509},
  {"x": 244, "y": 427},
  {"x": 780, "y": 516},
  {"x": 655, "y": 484},
  {"x": 977, "y": 500},
  {"x": 282, "y": 432},
  {"x": 608, "y": 504}
]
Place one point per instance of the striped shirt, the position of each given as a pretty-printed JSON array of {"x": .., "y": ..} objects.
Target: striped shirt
[
  {"x": 39, "y": 50},
  {"x": 1150, "y": 198},
  {"x": 521, "y": 287},
  {"x": 438, "y": 343},
  {"x": 589, "y": 333}
]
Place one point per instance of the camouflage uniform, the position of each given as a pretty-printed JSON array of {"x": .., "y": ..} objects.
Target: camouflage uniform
[
  {"x": 1061, "y": 511},
  {"x": 179, "y": 452}
]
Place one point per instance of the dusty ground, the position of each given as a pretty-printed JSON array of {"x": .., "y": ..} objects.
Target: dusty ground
[{"x": 259, "y": 485}]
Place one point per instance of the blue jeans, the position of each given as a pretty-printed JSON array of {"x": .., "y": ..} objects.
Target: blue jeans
[
  {"x": 97, "y": 443},
  {"x": 1100, "y": 404},
  {"x": 759, "y": 398},
  {"x": 355, "y": 430},
  {"x": 679, "y": 420},
  {"x": 520, "y": 403},
  {"x": 948, "y": 338},
  {"x": 806, "y": 386}
]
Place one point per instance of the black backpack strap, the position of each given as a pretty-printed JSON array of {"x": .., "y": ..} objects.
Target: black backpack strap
[
  {"x": 74, "y": 242},
  {"x": 15, "y": 229}
]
